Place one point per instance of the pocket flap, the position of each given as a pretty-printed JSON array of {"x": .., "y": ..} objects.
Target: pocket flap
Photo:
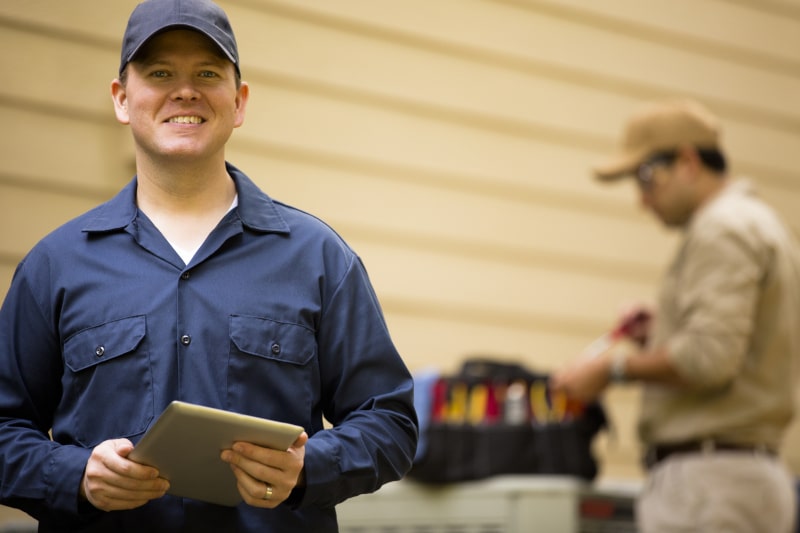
[
  {"x": 101, "y": 343},
  {"x": 271, "y": 339}
]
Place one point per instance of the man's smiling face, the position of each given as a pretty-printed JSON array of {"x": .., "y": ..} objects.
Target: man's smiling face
[{"x": 180, "y": 97}]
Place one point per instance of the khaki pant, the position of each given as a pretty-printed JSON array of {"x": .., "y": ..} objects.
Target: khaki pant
[{"x": 718, "y": 492}]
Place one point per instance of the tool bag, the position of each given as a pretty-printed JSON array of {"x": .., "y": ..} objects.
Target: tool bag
[{"x": 495, "y": 418}]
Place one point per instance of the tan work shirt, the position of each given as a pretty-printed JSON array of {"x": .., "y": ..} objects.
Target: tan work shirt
[{"x": 729, "y": 316}]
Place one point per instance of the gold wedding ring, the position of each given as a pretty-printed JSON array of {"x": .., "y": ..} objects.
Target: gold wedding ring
[{"x": 268, "y": 492}]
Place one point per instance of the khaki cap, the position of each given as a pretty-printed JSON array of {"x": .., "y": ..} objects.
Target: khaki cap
[{"x": 660, "y": 127}]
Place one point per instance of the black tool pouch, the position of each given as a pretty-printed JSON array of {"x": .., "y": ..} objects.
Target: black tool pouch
[{"x": 467, "y": 439}]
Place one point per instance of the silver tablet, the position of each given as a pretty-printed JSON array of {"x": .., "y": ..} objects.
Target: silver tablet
[{"x": 185, "y": 443}]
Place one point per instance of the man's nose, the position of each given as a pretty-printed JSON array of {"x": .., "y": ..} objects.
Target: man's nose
[{"x": 186, "y": 90}]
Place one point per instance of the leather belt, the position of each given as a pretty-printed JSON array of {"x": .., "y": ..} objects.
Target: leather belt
[{"x": 656, "y": 454}]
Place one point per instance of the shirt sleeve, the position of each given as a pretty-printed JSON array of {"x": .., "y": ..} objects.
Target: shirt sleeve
[
  {"x": 717, "y": 290},
  {"x": 37, "y": 475},
  {"x": 367, "y": 393}
]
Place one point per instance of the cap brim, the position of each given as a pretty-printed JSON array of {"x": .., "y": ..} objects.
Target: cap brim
[
  {"x": 619, "y": 166},
  {"x": 206, "y": 32}
]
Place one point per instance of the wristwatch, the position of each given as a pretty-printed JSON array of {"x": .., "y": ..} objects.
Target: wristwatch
[
  {"x": 617, "y": 369},
  {"x": 619, "y": 358}
]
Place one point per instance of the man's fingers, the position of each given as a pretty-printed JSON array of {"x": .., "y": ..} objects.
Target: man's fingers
[
  {"x": 266, "y": 477},
  {"x": 113, "y": 482}
]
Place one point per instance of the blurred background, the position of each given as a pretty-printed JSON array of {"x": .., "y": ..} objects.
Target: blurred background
[{"x": 448, "y": 141}]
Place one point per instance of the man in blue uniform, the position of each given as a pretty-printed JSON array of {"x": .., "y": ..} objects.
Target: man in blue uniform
[{"x": 192, "y": 284}]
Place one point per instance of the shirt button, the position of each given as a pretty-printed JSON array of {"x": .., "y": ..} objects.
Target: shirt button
[
  {"x": 100, "y": 351},
  {"x": 186, "y": 340},
  {"x": 185, "y": 276},
  {"x": 276, "y": 349}
]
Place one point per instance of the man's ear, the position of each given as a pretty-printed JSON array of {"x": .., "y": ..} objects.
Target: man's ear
[
  {"x": 120, "y": 97},
  {"x": 241, "y": 103}
]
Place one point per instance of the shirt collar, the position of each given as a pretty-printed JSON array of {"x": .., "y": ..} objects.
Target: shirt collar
[
  {"x": 732, "y": 188},
  {"x": 256, "y": 210}
]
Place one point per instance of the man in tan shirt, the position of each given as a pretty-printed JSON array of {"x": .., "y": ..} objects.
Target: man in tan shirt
[{"x": 718, "y": 365}]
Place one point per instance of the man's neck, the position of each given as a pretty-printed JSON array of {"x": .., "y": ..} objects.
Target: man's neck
[
  {"x": 712, "y": 186},
  {"x": 184, "y": 188},
  {"x": 185, "y": 206}
]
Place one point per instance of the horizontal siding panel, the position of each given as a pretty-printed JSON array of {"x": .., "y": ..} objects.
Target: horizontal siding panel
[
  {"x": 566, "y": 109},
  {"x": 443, "y": 341},
  {"x": 462, "y": 156},
  {"x": 428, "y": 216},
  {"x": 87, "y": 20},
  {"x": 548, "y": 173},
  {"x": 346, "y": 127},
  {"x": 38, "y": 155},
  {"x": 785, "y": 201},
  {"x": 455, "y": 88},
  {"x": 785, "y": 8},
  {"x": 506, "y": 290},
  {"x": 401, "y": 71},
  {"x": 572, "y": 119},
  {"x": 751, "y": 145},
  {"x": 33, "y": 214},
  {"x": 393, "y": 137},
  {"x": 627, "y": 64},
  {"x": 718, "y": 27},
  {"x": 564, "y": 150},
  {"x": 472, "y": 290},
  {"x": 380, "y": 197},
  {"x": 71, "y": 75}
]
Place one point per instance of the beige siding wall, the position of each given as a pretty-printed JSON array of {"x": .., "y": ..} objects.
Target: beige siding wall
[{"x": 448, "y": 141}]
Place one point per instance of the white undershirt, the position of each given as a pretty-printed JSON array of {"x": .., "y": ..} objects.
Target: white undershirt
[{"x": 187, "y": 253}]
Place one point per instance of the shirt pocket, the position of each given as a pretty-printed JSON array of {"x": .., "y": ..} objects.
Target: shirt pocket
[
  {"x": 271, "y": 371},
  {"x": 108, "y": 383}
]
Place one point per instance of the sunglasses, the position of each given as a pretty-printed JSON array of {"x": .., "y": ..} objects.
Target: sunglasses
[{"x": 645, "y": 174}]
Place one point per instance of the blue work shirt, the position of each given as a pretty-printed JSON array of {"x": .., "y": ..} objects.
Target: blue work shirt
[{"x": 104, "y": 326}]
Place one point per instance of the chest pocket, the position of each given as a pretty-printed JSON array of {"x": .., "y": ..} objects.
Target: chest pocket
[
  {"x": 277, "y": 361},
  {"x": 108, "y": 383},
  {"x": 270, "y": 339}
]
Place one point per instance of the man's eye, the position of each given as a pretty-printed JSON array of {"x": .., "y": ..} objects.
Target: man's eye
[
  {"x": 208, "y": 74},
  {"x": 159, "y": 74}
]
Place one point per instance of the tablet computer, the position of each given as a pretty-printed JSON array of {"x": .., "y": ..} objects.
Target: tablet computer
[{"x": 185, "y": 443}]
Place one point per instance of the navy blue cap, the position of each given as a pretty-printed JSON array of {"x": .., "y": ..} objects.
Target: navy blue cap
[{"x": 154, "y": 16}]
